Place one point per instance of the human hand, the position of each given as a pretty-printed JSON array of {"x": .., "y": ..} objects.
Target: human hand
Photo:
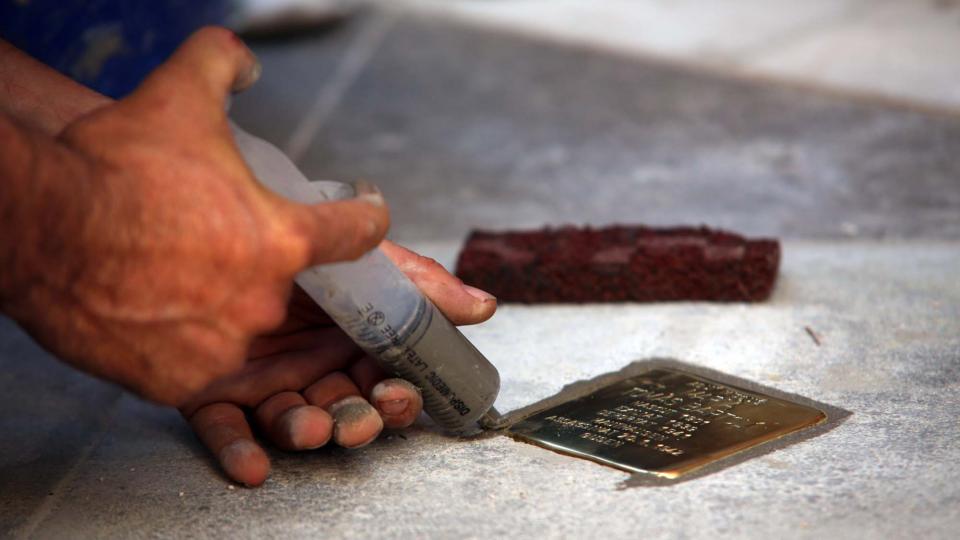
[
  {"x": 307, "y": 383},
  {"x": 138, "y": 245}
]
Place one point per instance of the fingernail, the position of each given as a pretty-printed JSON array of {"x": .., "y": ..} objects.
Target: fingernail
[
  {"x": 250, "y": 77},
  {"x": 393, "y": 407},
  {"x": 368, "y": 192},
  {"x": 384, "y": 394},
  {"x": 479, "y": 294}
]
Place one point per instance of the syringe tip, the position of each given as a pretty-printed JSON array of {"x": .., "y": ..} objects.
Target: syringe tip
[{"x": 492, "y": 419}]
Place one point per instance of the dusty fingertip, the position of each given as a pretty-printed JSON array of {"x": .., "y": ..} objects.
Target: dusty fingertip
[
  {"x": 356, "y": 422},
  {"x": 393, "y": 389},
  {"x": 307, "y": 427},
  {"x": 245, "y": 462},
  {"x": 483, "y": 308}
]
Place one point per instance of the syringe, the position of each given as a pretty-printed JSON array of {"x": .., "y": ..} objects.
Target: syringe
[{"x": 384, "y": 312}]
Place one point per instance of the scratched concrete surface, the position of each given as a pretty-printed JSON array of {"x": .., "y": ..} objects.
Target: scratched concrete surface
[{"x": 467, "y": 127}]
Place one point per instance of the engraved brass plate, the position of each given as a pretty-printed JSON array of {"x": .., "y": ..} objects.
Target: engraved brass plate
[{"x": 664, "y": 421}]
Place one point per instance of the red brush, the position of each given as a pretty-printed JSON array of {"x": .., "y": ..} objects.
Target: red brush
[{"x": 620, "y": 264}]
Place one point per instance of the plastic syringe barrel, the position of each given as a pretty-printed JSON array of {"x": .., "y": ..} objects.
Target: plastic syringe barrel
[
  {"x": 389, "y": 318},
  {"x": 383, "y": 311}
]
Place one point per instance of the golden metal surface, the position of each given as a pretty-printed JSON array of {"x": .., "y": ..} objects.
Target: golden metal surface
[{"x": 665, "y": 421}]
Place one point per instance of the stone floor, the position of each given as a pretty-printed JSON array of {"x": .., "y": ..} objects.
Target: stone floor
[{"x": 466, "y": 127}]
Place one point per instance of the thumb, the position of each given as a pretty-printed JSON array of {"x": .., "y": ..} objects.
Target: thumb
[
  {"x": 343, "y": 230},
  {"x": 201, "y": 73}
]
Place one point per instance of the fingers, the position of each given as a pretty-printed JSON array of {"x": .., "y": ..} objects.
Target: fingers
[
  {"x": 294, "y": 370},
  {"x": 342, "y": 230},
  {"x": 461, "y": 303},
  {"x": 292, "y": 424},
  {"x": 209, "y": 65},
  {"x": 356, "y": 422},
  {"x": 398, "y": 401},
  {"x": 332, "y": 408},
  {"x": 299, "y": 422},
  {"x": 223, "y": 429},
  {"x": 366, "y": 373}
]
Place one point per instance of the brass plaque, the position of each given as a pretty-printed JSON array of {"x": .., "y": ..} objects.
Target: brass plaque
[{"x": 665, "y": 422}]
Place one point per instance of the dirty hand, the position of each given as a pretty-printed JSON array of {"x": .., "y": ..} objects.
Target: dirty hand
[
  {"x": 307, "y": 383},
  {"x": 140, "y": 247}
]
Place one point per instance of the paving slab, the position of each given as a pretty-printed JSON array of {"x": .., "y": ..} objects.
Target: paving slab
[
  {"x": 889, "y": 470},
  {"x": 52, "y": 417}
]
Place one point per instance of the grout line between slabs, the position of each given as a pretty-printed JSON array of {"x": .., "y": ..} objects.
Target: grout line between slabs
[
  {"x": 359, "y": 53},
  {"x": 28, "y": 529}
]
